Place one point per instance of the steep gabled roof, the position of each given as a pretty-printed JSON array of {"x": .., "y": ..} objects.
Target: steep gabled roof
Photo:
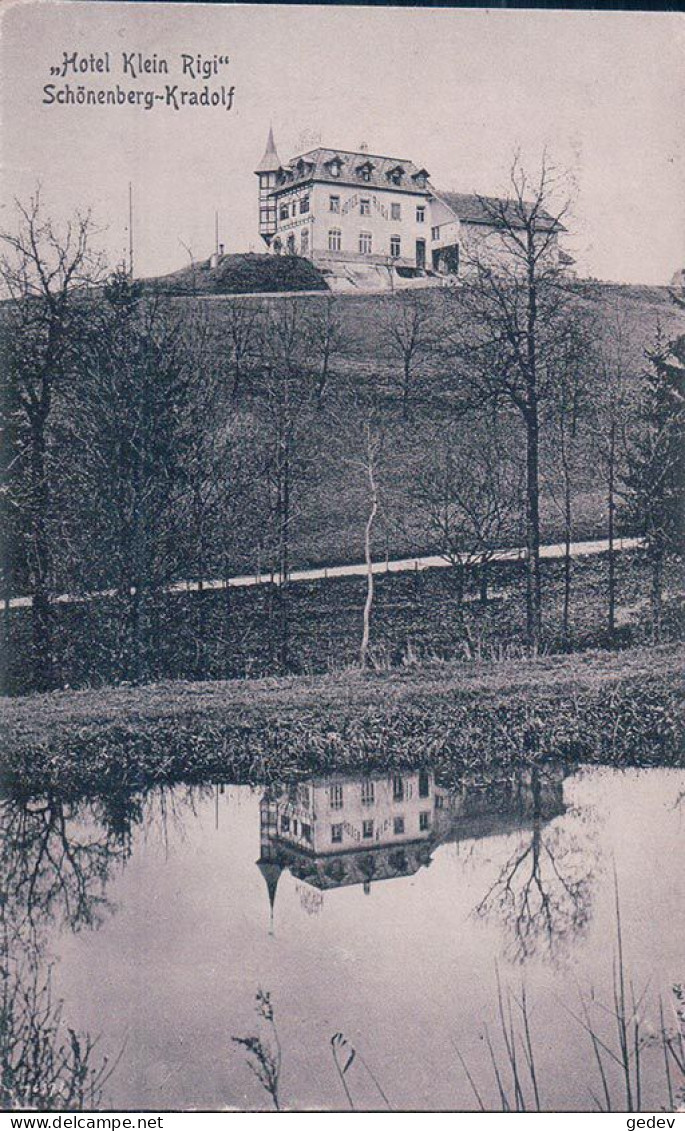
[
  {"x": 472, "y": 208},
  {"x": 319, "y": 169}
]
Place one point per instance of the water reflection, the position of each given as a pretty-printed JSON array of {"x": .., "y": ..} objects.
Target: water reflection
[
  {"x": 57, "y": 859},
  {"x": 136, "y": 907},
  {"x": 343, "y": 830}
]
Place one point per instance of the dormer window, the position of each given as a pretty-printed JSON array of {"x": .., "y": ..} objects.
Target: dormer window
[
  {"x": 395, "y": 174},
  {"x": 303, "y": 167},
  {"x": 334, "y": 166},
  {"x": 365, "y": 170},
  {"x": 421, "y": 178}
]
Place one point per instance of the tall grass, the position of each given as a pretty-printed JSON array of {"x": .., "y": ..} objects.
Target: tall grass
[
  {"x": 619, "y": 1058},
  {"x": 45, "y": 1065}
]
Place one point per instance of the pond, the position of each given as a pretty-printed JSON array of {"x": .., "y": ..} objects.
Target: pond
[{"x": 389, "y": 910}]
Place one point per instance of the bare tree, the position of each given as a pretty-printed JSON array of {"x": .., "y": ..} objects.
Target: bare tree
[
  {"x": 44, "y": 272},
  {"x": 327, "y": 333},
  {"x": 612, "y": 411},
  {"x": 509, "y": 326},
  {"x": 202, "y": 479},
  {"x": 568, "y": 411},
  {"x": 241, "y": 321},
  {"x": 284, "y": 397},
  {"x": 408, "y": 336},
  {"x": 129, "y": 431},
  {"x": 468, "y": 492}
]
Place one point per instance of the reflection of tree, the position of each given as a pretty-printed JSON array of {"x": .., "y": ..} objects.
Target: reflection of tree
[
  {"x": 53, "y": 869},
  {"x": 543, "y": 892},
  {"x": 56, "y": 860}
]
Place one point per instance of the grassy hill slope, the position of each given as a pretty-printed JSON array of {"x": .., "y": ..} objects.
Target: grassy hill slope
[
  {"x": 241, "y": 274},
  {"x": 330, "y": 507}
]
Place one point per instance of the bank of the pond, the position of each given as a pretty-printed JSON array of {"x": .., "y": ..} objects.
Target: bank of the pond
[{"x": 616, "y": 708}]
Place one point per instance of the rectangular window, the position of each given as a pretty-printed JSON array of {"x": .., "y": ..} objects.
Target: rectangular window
[
  {"x": 365, "y": 243},
  {"x": 304, "y": 241},
  {"x": 398, "y": 826},
  {"x": 334, "y": 204},
  {"x": 395, "y": 211},
  {"x": 336, "y": 796},
  {"x": 395, "y": 247},
  {"x": 294, "y": 827},
  {"x": 283, "y": 212},
  {"x": 365, "y": 207},
  {"x": 336, "y": 834},
  {"x": 397, "y": 788},
  {"x": 420, "y": 214},
  {"x": 368, "y": 793},
  {"x": 334, "y": 239},
  {"x": 424, "y": 784},
  {"x": 304, "y": 204},
  {"x": 424, "y": 821},
  {"x": 307, "y": 832},
  {"x": 285, "y": 824},
  {"x": 367, "y": 829},
  {"x": 303, "y": 791},
  {"x": 435, "y": 233}
]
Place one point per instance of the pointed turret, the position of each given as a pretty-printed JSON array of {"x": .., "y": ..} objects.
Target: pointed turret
[
  {"x": 270, "y": 162},
  {"x": 271, "y": 871},
  {"x": 266, "y": 172}
]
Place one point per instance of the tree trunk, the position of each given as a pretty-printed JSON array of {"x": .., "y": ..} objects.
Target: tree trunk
[
  {"x": 323, "y": 378},
  {"x": 41, "y": 613},
  {"x": 460, "y": 576},
  {"x": 533, "y": 585},
  {"x": 484, "y": 571},
  {"x": 135, "y": 666},
  {"x": 368, "y": 604},
  {"x": 657, "y": 593},
  {"x": 568, "y": 523},
  {"x": 612, "y": 552},
  {"x": 406, "y": 387},
  {"x": 284, "y": 560},
  {"x": 6, "y": 658},
  {"x": 201, "y": 630}
]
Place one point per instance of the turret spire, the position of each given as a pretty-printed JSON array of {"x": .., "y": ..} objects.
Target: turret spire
[{"x": 270, "y": 162}]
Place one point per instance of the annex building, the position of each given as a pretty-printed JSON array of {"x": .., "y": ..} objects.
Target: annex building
[{"x": 346, "y": 209}]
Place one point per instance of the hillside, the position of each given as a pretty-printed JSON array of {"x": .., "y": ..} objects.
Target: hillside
[{"x": 329, "y": 525}]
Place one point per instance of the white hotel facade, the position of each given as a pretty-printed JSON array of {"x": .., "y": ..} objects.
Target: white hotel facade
[{"x": 340, "y": 207}]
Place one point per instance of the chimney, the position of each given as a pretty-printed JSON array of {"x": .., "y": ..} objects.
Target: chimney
[
  {"x": 363, "y": 148},
  {"x": 221, "y": 251}
]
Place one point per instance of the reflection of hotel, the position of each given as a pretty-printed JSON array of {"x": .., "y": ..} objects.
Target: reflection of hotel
[{"x": 339, "y": 830}]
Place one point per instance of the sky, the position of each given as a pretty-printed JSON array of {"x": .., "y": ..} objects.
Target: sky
[{"x": 454, "y": 90}]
